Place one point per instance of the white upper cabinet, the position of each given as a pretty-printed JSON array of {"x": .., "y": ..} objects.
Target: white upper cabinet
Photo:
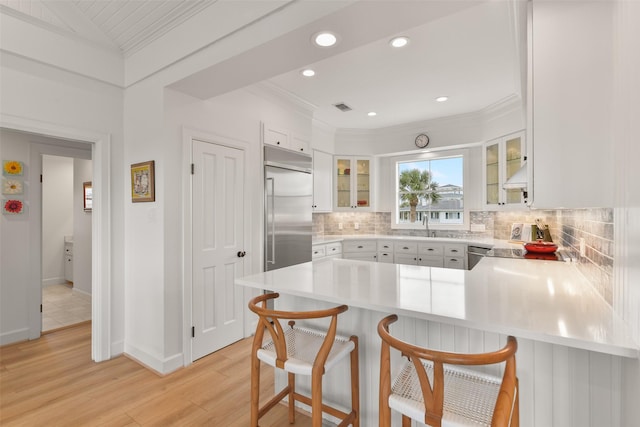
[
  {"x": 322, "y": 181},
  {"x": 283, "y": 138},
  {"x": 299, "y": 143},
  {"x": 275, "y": 136},
  {"x": 502, "y": 158},
  {"x": 353, "y": 179},
  {"x": 572, "y": 72}
]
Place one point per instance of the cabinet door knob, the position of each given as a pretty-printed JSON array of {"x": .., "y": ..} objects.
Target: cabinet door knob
[{"x": 241, "y": 254}]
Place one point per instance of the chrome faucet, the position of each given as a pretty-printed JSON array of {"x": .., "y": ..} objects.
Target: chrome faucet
[{"x": 425, "y": 222}]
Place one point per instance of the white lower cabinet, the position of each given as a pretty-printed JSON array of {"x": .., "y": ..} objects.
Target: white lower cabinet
[
  {"x": 385, "y": 251},
  {"x": 363, "y": 250},
  {"x": 318, "y": 251},
  {"x": 450, "y": 262},
  {"x": 430, "y": 261},
  {"x": 428, "y": 254},
  {"x": 385, "y": 257},
  {"x": 454, "y": 256},
  {"x": 326, "y": 250},
  {"x": 333, "y": 250},
  {"x": 404, "y": 258}
]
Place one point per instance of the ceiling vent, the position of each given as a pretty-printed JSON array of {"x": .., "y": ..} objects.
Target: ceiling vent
[{"x": 342, "y": 107}]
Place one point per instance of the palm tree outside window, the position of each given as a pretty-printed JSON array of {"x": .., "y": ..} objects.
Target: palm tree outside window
[{"x": 430, "y": 190}]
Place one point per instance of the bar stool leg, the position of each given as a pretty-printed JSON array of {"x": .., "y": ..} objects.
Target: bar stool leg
[
  {"x": 385, "y": 386},
  {"x": 255, "y": 389},
  {"x": 316, "y": 397},
  {"x": 355, "y": 382},
  {"x": 292, "y": 389}
]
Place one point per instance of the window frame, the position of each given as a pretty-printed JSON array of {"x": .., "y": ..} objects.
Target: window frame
[{"x": 434, "y": 155}]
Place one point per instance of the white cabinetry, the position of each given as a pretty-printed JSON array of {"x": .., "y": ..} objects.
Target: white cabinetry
[
  {"x": 327, "y": 250},
  {"x": 502, "y": 158},
  {"x": 283, "y": 138},
  {"x": 431, "y": 254},
  {"x": 573, "y": 86},
  {"x": 385, "y": 251},
  {"x": 398, "y": 251},
  {"x": 353, "y": 183},
  {"x": 454, "y": 256},
  {"x": 405, "y": 252},
  {"x": 364, "y": 250},
  {"x": 272, "y": 135},
  {"x": 299, "y": 143},
  {"x": 68, "y": 261},
  {"x": 322, "y": 181}
]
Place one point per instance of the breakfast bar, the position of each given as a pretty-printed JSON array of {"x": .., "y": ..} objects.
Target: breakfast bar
[{"x": 570, "y": 341}]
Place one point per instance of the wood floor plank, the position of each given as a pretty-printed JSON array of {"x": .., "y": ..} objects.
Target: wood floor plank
[{"x": 52, "y": 381}]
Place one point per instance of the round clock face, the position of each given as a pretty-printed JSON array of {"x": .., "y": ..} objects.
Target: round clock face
[{"x": 422, "y": 140}]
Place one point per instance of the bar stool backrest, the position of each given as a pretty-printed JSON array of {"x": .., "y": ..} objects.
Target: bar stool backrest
[
  {"x": 270, "y": 320},
  {"x": 433, "y": 394}
]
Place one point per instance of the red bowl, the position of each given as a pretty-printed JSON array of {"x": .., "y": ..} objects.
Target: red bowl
[{"x": 541, "y": 247}]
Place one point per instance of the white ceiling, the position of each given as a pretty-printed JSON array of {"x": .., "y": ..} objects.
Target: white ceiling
[
  {"x": 469, "y": 56},
  {"x": 466, "y": 50}
]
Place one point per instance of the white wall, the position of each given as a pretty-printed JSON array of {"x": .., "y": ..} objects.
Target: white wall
[
  {"x": 156, "y": 336},
  {"x": 82, "y": 250},
  {"x": 446, "y": 132},
  {"x": 48, "y": 97},
  {"x": 57, "y": 215},
  {"x": 14, "y": 254}
]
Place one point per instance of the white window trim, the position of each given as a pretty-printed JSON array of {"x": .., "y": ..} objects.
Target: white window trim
[{"x": 464, "y": 153}]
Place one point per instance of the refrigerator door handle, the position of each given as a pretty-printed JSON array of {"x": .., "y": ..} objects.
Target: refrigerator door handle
[{"x": 273, "y": 224}]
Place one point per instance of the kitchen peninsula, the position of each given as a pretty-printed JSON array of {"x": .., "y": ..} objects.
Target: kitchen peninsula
[{"x": 570, "y": 341}]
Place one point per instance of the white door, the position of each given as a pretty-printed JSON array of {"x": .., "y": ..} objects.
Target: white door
[{"x": 217, "y": 236}]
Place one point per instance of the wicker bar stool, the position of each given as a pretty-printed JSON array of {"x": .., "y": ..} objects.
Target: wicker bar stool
[
  {"x": 432, "y": 389},
  {"x": 301, "y": 351}
]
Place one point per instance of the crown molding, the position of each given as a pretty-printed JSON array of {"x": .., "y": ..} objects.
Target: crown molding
[{"x": 274, "y": 93}]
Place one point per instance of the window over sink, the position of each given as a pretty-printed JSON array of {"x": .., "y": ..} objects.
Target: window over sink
[{"x": 429, "y": 191}]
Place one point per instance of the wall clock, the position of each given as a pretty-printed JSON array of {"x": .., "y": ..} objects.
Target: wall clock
[{"x": 422, "y": 140}]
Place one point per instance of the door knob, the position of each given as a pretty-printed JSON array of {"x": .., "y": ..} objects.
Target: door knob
[{"x": 241, "y": 254}]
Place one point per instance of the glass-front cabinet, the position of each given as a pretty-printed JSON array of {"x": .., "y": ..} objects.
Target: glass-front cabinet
[
  {"x": 503, "y": 157},
  {"x": 352, "y": 183}
]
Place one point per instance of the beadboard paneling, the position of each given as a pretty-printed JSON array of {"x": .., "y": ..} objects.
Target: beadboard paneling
[{"x": 559, "y": 386}]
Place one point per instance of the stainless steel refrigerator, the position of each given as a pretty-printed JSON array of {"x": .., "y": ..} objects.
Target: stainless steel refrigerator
[{"x": 288, "y": 190}]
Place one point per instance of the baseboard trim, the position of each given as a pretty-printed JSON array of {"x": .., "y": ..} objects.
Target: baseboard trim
[
  {"x": 160, "y": 366},
  {"x": 15, "y": 336}
]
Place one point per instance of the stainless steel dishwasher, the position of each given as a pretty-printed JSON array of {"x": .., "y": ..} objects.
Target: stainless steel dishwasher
[{"x": 475, "y": 254}]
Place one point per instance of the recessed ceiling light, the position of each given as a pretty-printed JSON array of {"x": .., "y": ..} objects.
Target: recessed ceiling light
[
  {"x": 325, "y": 39},
  {"x": 308, "y": 72},
  {"x": 399, "y": 41},
  {"x": 372, "y": 113},
  {"x": 442, "y": 98}
]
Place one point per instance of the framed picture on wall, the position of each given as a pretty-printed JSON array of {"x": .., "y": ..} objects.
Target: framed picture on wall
[
  {"x": 87, "y": 191},
  {"x": 143, "y": 182}
]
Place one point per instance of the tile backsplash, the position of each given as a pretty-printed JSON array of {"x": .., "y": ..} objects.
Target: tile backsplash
[{"x": 567, "y": 227}]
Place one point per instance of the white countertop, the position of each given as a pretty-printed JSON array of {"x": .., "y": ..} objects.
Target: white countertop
[
  {"x": 546, "y": 301},
  {"x": 470, "y": 240}
]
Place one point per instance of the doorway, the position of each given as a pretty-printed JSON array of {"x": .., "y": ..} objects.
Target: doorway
[
  {"x": 102, "y": 332},
  {"x": 66, "y": 241}
]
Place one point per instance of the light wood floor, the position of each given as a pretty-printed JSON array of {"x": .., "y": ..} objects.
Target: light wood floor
[{"x": 52, "y": 381}]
